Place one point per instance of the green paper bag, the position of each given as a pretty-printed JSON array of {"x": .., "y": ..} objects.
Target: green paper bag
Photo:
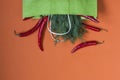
[{"x": 47, "y": 7}]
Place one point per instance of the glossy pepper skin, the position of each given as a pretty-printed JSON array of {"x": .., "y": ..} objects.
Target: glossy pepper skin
[
  {"x": 90, "y": 18},
  {"x": 93, "y": 28},
  {"x": 30, "y": 31},
  {"x": 85, "y": 44},
  {"x": 40, "y": 32}
]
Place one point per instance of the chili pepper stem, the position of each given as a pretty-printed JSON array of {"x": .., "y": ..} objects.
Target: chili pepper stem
[
  {"x": 26, "y": 18},
  {"x": 102, "y": 29},
  {"x": 101, "y": 42},
  {"x": 16, "y": 33}
]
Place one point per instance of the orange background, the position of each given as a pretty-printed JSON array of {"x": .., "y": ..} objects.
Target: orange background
[{"x": 21, "y": 59}]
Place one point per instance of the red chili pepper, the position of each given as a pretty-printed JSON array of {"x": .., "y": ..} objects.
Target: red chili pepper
[
  {"x": 85, "y": 44},
  {"x": 24, "y": 34},
  {"x": 40, "y": 33},
  {"x": 27, "y": 18},
  {"x": 93, "y": 28},
  {"x": 90, "y": 18}
]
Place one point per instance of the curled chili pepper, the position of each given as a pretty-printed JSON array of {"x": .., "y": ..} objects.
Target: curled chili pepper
[
  {"x": 24, "y": 34},
  {"x": 40, "y": 33},
  {"x": 93, "y": 28},
  {"x": 85, "y": 44},
  {"x": 90, "y": 18}
]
